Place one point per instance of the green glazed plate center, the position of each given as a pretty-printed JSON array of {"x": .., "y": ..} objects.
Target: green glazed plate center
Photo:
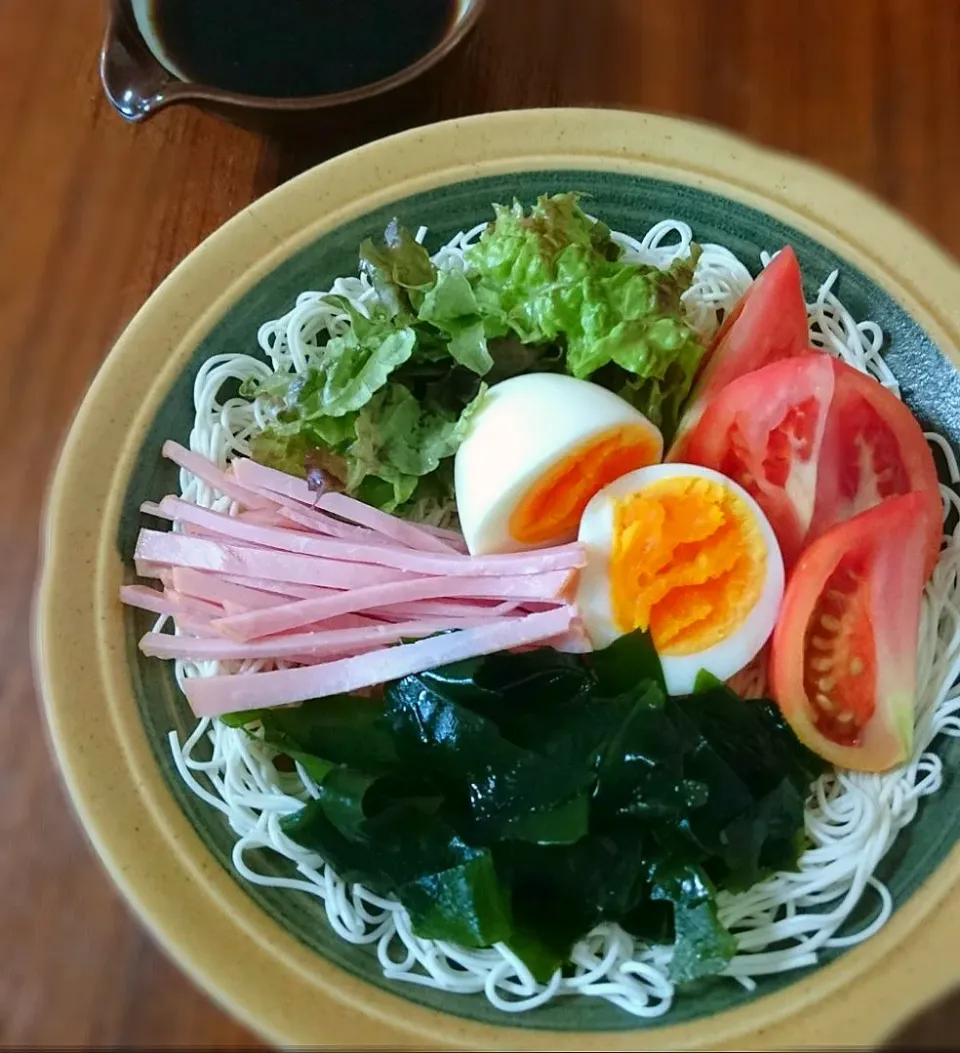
[{"x": 630, "y": 204}]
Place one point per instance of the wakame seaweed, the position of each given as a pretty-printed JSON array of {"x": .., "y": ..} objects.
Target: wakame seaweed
[{"x": 525, "y": 798}]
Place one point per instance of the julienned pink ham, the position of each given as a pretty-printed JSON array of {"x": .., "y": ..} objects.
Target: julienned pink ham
[
  {"x": 382, "y": 554},
  {"x": 245, "y": 561},
  {"x": 332, "y": 587},
  {"x": 210, "y": 474},
  {"x": 257, "y": 623},
  {"x": 269, "y": 480},
  {"x": 214, "y": 695},
  {"x": 320, "y": 644},
  {"x": 217, "y": 589},
  {"x": 169, "y": 603}
]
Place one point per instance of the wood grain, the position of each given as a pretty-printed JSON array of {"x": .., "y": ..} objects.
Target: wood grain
[{"x": 95, "y": 213}]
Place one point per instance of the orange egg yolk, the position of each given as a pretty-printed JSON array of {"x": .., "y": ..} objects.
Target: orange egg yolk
[
  {"x": 551, "y": 510},
  {"x": 688, "y": 563}
]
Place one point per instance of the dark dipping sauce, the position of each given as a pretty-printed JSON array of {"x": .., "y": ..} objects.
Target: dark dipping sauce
[{"x": 284, "y": 48}]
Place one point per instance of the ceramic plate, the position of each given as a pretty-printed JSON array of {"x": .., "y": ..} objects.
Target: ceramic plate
[{"x": 268, "y": 955}]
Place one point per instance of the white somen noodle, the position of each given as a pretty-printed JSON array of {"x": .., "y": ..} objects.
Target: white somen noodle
[{"x": 851, "y": 818}]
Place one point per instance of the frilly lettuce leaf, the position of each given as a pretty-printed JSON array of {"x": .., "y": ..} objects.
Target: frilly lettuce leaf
[
  {"x": 385, "y": 402},
  {"x": 380, "y": 453},
  {"x": 353, "y": 373},
  {"x": 346, "y": 405},
  {"x": 555, "y": 276},
  {"x": 399, "y": 440},
  {"x": 399, "y": 267},
  {"x": 342, "y": 377},
  {"x": 444, "y": 301},
  {"x": 450, "y": 299},
  {"x": 451, "y": 306}
]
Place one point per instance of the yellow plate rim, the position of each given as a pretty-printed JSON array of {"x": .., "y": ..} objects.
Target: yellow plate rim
[{"x": 199, "y": 914}]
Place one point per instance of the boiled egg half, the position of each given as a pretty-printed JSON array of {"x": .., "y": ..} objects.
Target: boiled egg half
[
  {"x": 687, "y": 553},
  {"x": 540, "y": 446}
]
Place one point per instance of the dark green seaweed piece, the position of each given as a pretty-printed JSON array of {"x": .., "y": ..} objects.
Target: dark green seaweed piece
[{"x": 525, "y": 798}]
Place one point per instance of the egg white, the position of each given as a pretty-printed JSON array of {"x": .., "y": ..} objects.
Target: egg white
[
  {"x": 524, "y": 427},
  {"x": 594, "y": 600}
]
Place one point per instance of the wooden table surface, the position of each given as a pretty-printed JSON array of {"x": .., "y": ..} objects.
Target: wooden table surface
[{"x": 94, "y": 214}]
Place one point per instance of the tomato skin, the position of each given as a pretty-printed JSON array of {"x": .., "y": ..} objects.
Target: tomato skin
[
  {"x": 765, "y": 431},
  {"x": 849, "y": 622},
  {"x": 768, "y": 323},
  {"x": 816, "y": 442},
  {"x": 873, "y": 448}
]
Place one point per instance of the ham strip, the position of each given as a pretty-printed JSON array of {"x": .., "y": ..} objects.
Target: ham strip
[
  {"x": 192, "y": 626},
  {"x": 290, "y": 512},
  {"x": 401, "y": 612},
  {"x": 327, "y": 589},
  {"x": 266, "y": 517},
  {"x": 207, "y": 471},
  {"x": 238, "y": 599},
  {"x": 170, "y": 603},
  {"x": 315, "y": 644},
  {"x": 216, "y": 589},
  {"x": 288, "y": 616},
  {"x": 209, "y": 530},
  {"x": 236, "y": 594},
  {"x": 288, "y": 589},
  {"x": 564, "y": 557},
  {"x": 409, "y": 534},
  {"x": 192, "y": 530},
  {"x": 251, "y": 473},
  {"x": 146, "y": 569},
  {"x": 213, "y": 696},
  {"x": 179, "y": 550},
  {"x": 323, "y": 524},
  {"x": 452, "y": 537},
  {"x": 398, "y": 529}
]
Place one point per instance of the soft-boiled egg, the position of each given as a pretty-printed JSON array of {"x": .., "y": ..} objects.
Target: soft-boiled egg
[
  {"x": 540, "y": 446},
  {"x": 687, "y": 553}
]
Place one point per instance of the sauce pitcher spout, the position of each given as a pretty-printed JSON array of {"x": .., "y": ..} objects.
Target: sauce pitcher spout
[
  {"x": 135, "y": 81},
  {"x": 267, "y": 64}
]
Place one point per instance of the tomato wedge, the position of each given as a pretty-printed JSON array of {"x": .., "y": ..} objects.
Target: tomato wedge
[
  {"x": 816, "y": 442},
  {"x": 844, "y": 658},
  {"x": 873, "y": 448},
  {"x": 768, "y": 323},
  {"x": 765, "y": 431}
]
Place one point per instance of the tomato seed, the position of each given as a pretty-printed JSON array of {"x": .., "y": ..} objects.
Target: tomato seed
[
  {"x": 821, "y": 665},
  {"x": 830, "y": 623},
  {"x": 820, "y": 644},
  {"x": 856, "y": 666},
  {"x": 826, "y": 684},
  {"x": 845, "y": 718},
  {"x": 824, "y": 703}
]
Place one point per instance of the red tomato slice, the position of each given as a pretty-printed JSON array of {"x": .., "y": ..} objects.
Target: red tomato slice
[
  {"x": 873, "y": 448},
  {"x": 844, "y": 657},
  {"x": 765, "y": 431},
  {"x": 767, "y": 324}
]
